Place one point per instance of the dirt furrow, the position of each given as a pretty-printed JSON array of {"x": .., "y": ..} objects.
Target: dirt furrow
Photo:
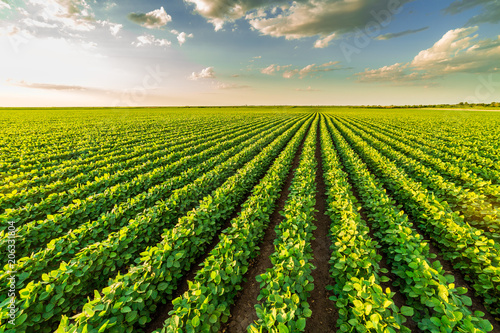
[
  {"x": 243, "y": 311},
  {"x": 324, "y": 314}
]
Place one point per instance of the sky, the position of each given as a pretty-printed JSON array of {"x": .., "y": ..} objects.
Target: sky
[{"x": 248, "y": 52}]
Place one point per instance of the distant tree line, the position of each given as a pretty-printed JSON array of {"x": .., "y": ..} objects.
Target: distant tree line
[{"x": 464, "y": 105}]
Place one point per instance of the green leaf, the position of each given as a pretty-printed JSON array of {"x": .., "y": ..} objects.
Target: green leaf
[
  {"x": 131, "y": 316},
  {"x": 368, "y": 309},
  {"x": 21, "y": 319},
  {"x": 436, "y": 321},
  {"x": 283, "y": 329},
  {"x": 126, "y": 309},
  {"x": 162, "y": 286},
  {"x": 87, "y": 309},
  {"x": 195, "y": 321},
  {"x": 301, "y": 324},
  {"x": 407, "y": 311},
  {"x": 213, "y": 319}
]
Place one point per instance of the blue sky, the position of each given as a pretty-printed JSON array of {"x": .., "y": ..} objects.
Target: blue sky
[{"x": 237, "y": 52}]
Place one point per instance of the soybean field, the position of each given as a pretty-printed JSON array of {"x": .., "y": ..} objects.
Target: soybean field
[{"x": 249, "y": 219}]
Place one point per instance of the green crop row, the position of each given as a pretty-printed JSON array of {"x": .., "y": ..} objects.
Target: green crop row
[
  {"x": 63, "y": 248},
  {"x": 285, "y": 287},
  {"x": 363, "y": 306},
  {"x": 461, "y": 158},
  {"x": 68, "y": 164},
  {"x": 38, "y": 233},
  {"x": 100, "y": 158},
  {"x": 451, "y": 168},
  {"x": 129, "y": 300},
  {"x": 475, "y": 206},
  {"x": 207, "y": 302},
  {"x": 438, "y": 303},
  {"x": 120, "y": 248},
  {"x": 45, "y": 138},
  {"x": 466, "y": 247},
  {"x": 125, "y": 171},
  {"x": 466, "y": 137}
]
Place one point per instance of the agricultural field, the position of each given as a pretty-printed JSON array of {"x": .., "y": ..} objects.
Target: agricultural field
[{"x": 258, "y": 219}]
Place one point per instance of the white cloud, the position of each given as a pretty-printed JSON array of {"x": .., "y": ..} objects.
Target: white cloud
[
  {"x": 309, "y": 70},
  {"x": 89, "y": 45},
  {"x": 152, "y": 20},
  {"x": 255, "y": 14},
  {"x": 323, "y": 42},
  {"x": 37, "y": 24},
  {"x": 271, "y": 69},
  {"x": 114, "y": 28},
  {"x": 394, "y": 73},
  {"x": 148, "y": 39},
  {"x": 217, "y": 23},
  {"x": 71, "y": 14},
  {"x": 206, "y": 73},
  {"x": 181, "y": 36},
  {"x": 456, "y": 52}
]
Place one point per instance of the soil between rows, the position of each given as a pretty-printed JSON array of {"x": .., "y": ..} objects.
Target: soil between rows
[
  {"x": 243, "y": 311},
  {"x": 324, "y": 314}
]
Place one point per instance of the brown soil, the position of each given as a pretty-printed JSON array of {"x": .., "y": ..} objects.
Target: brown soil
[
  {"x": 324, "y": 314},
  {"x": 243, "y": 311}
]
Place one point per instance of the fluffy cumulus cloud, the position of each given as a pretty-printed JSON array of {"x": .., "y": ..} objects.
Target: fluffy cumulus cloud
[
  {"x": 114, "y": 28},
  {"x": 323, "y": 42},
  {"x": 70, "y": 14},
  {"x": 309, "y": 70},
  {"x": 62, "y": 18},
  {"x": 458, "y": 51},
  {"x": 147, "y": 39},
  {"x": 206, "y": 73},
  {"x": 152, "y": 20},
  {"x": 181, "y": 36},
  {"x": 400, "y": 34},
  {"x": 490, "y": 10},
  {"x": 303, "y": 18}
]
